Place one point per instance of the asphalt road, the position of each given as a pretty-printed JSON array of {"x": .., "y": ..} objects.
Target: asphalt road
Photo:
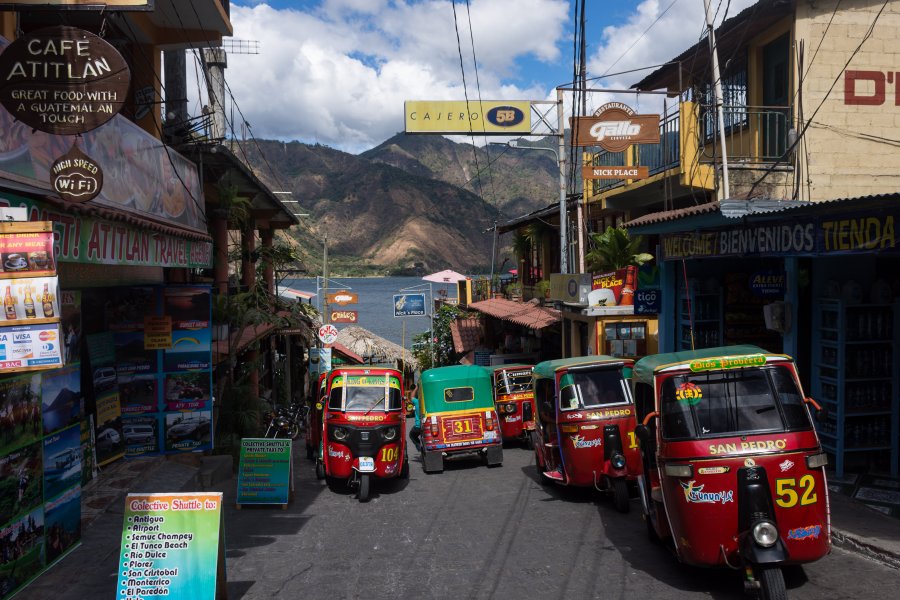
[{"x": 474, "y": 532}]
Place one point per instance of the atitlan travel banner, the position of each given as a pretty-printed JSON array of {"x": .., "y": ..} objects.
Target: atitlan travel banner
[
  {"x": 264, "y": 471},
  {"x": 173, "y": 546}
]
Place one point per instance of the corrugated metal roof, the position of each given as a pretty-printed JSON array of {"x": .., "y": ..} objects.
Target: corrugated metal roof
[
  {"x": 466, "y": 334},
  {"x": 786, "y": 207},
  {"x": 524, "y": 314}
]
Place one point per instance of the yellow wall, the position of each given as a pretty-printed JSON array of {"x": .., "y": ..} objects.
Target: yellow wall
[{"x": 846, "y": 158}]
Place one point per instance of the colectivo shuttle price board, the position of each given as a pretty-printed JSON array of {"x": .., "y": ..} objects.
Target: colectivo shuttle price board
[{"x": 173, "y": 546}]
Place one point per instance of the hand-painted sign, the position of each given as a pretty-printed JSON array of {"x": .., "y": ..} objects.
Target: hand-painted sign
[
  {"x": 76, "y": 177},
  {"x": 409, "y": 305},
  {"x": 172, "y": 546},
  {"x": 604, "y": 172},
  {"x": 485, "y": 117},
  {"x": 328, "y": 334},
  {"x": 342, "y": 298},
  {"x": 344, "y": 316},
  {"x": 264, "y": 471},
  {"x": 615, "y": 127},
  {"x": 63, "y": 80}
]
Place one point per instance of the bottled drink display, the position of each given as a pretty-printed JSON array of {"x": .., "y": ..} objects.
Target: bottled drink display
[
  {"x": 29, "y": 304},
  {"x": 9, "y": 304},
  {"x": 47, "y": 302}
]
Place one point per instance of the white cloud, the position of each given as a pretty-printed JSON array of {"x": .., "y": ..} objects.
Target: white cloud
[{"x": 338, "y": 74}]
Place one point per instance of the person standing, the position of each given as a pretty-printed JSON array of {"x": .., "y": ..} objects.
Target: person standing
[{"x": 416, "y": 431}]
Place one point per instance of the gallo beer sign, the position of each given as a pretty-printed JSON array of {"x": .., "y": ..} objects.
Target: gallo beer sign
[
  {"x": 63, "y": 80},
  {"x": 614, "y": 127}
]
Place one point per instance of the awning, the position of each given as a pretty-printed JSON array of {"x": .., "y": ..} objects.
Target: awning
[
  {"x": 347, "y": 353},
  {"x": 524, "y": 314},
  {"x": 466, "y": 334},
  {"x": 293, "y": 294},
  {"x": 445, "y": 276}
]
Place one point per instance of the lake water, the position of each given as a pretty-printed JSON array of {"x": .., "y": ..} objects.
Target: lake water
[{"x": 376, "y": 302}]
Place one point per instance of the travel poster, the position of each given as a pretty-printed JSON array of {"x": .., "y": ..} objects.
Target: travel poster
[
  {"x": 21, "y": 482},
  {"x": 70, "y": 314},
  {"x": 62, "y": 461},
  {"x": 109, "y": 442},
  {"x": 20, "y": 412},
  {"x": 21, "y": 551},
  {"x": 265, "y": 471},
  {"x": 142, "y": 434},
  {"x": 61, "y": 398},
  {"x": 172, "y": 546},
  {"x": 62, "y": 521}
]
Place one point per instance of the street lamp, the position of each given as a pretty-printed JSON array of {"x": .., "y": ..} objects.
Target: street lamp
[{"x": 561, "y": 161}]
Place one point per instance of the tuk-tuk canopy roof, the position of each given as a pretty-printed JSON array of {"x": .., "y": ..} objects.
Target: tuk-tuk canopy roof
[
  {"x": 647, "y": 366},
  {"x": 548, "y": 368},
  {"x": 434, "y": 381}
]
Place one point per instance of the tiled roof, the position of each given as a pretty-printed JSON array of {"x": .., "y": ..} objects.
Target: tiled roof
[
  {"x": 342, "y": 349},
  {"x": 524, "y": 314},
  {"x": 466, "y": 334},
  {"x": 248, "y": 334},
  {"x": 674, "y": 215}
]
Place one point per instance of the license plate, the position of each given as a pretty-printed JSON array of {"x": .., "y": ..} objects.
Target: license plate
[{"x": 366, "y": 464}]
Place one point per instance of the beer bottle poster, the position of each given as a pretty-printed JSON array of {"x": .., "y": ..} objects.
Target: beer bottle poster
[{"x": 172, "y": 546}]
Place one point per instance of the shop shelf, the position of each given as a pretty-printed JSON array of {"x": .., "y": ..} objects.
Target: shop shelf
[{"x": 876, "y": 334}]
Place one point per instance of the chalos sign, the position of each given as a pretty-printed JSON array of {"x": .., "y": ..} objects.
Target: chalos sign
[{"x": 63, "y": 80}]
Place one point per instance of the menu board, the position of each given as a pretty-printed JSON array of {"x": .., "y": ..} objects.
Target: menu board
[
  {"x": 30, "y": 334},
  {"x": 265, "y": 473},
  {"x": 172, "y": 546}
]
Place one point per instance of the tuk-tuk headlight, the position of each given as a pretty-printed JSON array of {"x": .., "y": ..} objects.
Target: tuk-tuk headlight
[
  {"x": 765, "y": 533},
  {"x": 680, "y": 470},
  {"x": 390, "y": 433},
  {"x": 340, "y": 434},
  {"x": 817, "y": 460},
  {"x": 617, "y": 461}
]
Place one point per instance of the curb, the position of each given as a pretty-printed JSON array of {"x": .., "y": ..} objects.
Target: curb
[{"x": 851, "y": 543}]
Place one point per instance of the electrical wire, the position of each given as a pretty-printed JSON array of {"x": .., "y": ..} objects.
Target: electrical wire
[
  {"x": 466, "y": 94},
  {"x": 480, "y": 105}
]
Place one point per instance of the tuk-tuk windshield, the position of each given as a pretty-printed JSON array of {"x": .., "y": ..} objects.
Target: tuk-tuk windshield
[
  {"x": 364, "y": 393},
  {"x": 513, "y": 382},
  {"x": 590, "y": 388},
  {"x": 738, "y": 401}
]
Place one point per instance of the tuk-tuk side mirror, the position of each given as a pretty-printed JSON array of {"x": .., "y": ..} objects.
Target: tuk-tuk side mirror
[{"x": 821, "y": 413}]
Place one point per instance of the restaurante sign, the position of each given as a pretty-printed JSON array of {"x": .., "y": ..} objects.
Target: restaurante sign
[{"x": 63, "y": 80}]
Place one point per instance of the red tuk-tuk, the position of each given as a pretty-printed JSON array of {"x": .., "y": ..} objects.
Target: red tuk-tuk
[
  {"x": 364, "y": 428},
  {"x": 514, "y": 399},
  {"x": 314, "y": 424},
  {"x": 733, "y": 470},
  {"x": 584, "y": 433}
]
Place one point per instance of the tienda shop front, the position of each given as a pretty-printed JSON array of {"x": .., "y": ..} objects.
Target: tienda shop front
[{"x": 819, "y": 281}]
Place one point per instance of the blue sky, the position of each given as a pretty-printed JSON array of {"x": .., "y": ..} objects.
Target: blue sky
[{"x": 337, "y": 72}]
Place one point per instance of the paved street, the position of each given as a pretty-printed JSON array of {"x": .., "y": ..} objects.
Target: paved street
[{"x": 474, "y": 532}]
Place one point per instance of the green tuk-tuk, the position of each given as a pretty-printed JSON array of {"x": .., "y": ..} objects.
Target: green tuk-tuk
[{"x": 458, "y": 417}]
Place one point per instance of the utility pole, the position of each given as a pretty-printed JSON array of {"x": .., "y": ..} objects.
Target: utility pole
[
  {"x": 325, "y": 283},
  {"x": 493, "y": 256},
  {"x": 717, "y": 90},
  {"x": 563, "y": 225}
]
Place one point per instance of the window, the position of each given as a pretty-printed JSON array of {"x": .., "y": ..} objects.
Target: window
[
  {"x": 731, "y": 402},
  {"x": 460, "y": 394},
  {"x": 592, "y": 388},
  {"x": 364, "y": 393},
  {"x": 513, "y": 382},
  {"x": 734, "y": 101}
]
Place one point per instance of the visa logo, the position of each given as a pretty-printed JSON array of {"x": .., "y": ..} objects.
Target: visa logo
[{"x": 22, "y": 337}]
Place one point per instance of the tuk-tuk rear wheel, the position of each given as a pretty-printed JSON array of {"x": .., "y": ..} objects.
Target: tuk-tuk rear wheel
[
  {"x": 404, "y": 470},
  {"x": 320, "y": 470},
  {"x": 620, "y": 495},
  {"x": 771, "y": 583}
]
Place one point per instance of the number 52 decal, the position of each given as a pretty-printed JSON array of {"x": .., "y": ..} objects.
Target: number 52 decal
[{"x": 787, "y": 491}]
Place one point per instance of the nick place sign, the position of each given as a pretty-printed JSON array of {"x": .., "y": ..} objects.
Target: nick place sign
[{"x": 63, "y": 80}]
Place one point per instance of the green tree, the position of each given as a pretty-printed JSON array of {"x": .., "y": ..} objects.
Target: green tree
[
  {"x": 615, "y": 249},
  {"x": 440, "y": 337}
]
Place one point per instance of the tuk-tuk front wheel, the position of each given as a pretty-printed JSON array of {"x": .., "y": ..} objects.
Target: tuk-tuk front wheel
[
  {"x": 771, "y": 583},
  {"x": 404, "y": 470},
  {"x": 365, "y": 482},
  {"x": 620, "y": 494}
]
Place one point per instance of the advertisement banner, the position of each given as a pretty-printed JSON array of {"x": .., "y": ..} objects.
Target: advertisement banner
[
  {"x": 615, "y": 288},
  {"x": 24, "y": 300},
  {"x": 26, "y": 249},
  {"x": 27, "y": 347},
  {"x": 409, "y": 305},
  {"x": 265, "y": 471},
  {"x": 173, "y": 546},
  {"x": 485, "y": 117}
]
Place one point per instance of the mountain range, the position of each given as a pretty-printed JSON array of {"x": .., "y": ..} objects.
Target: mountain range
[{"x": 412, "y": 204}]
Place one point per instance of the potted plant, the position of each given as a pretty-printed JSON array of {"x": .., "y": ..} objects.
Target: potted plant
[
  {"x": 614, "y": 249},
  {"x": 542, "y": 289}
]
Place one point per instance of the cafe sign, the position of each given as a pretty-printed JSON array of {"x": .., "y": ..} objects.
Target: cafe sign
[
  {"x": 63, "y": 80},
  {"x": 614, "y": 127},
  {"x": 76, "y": 177}
]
